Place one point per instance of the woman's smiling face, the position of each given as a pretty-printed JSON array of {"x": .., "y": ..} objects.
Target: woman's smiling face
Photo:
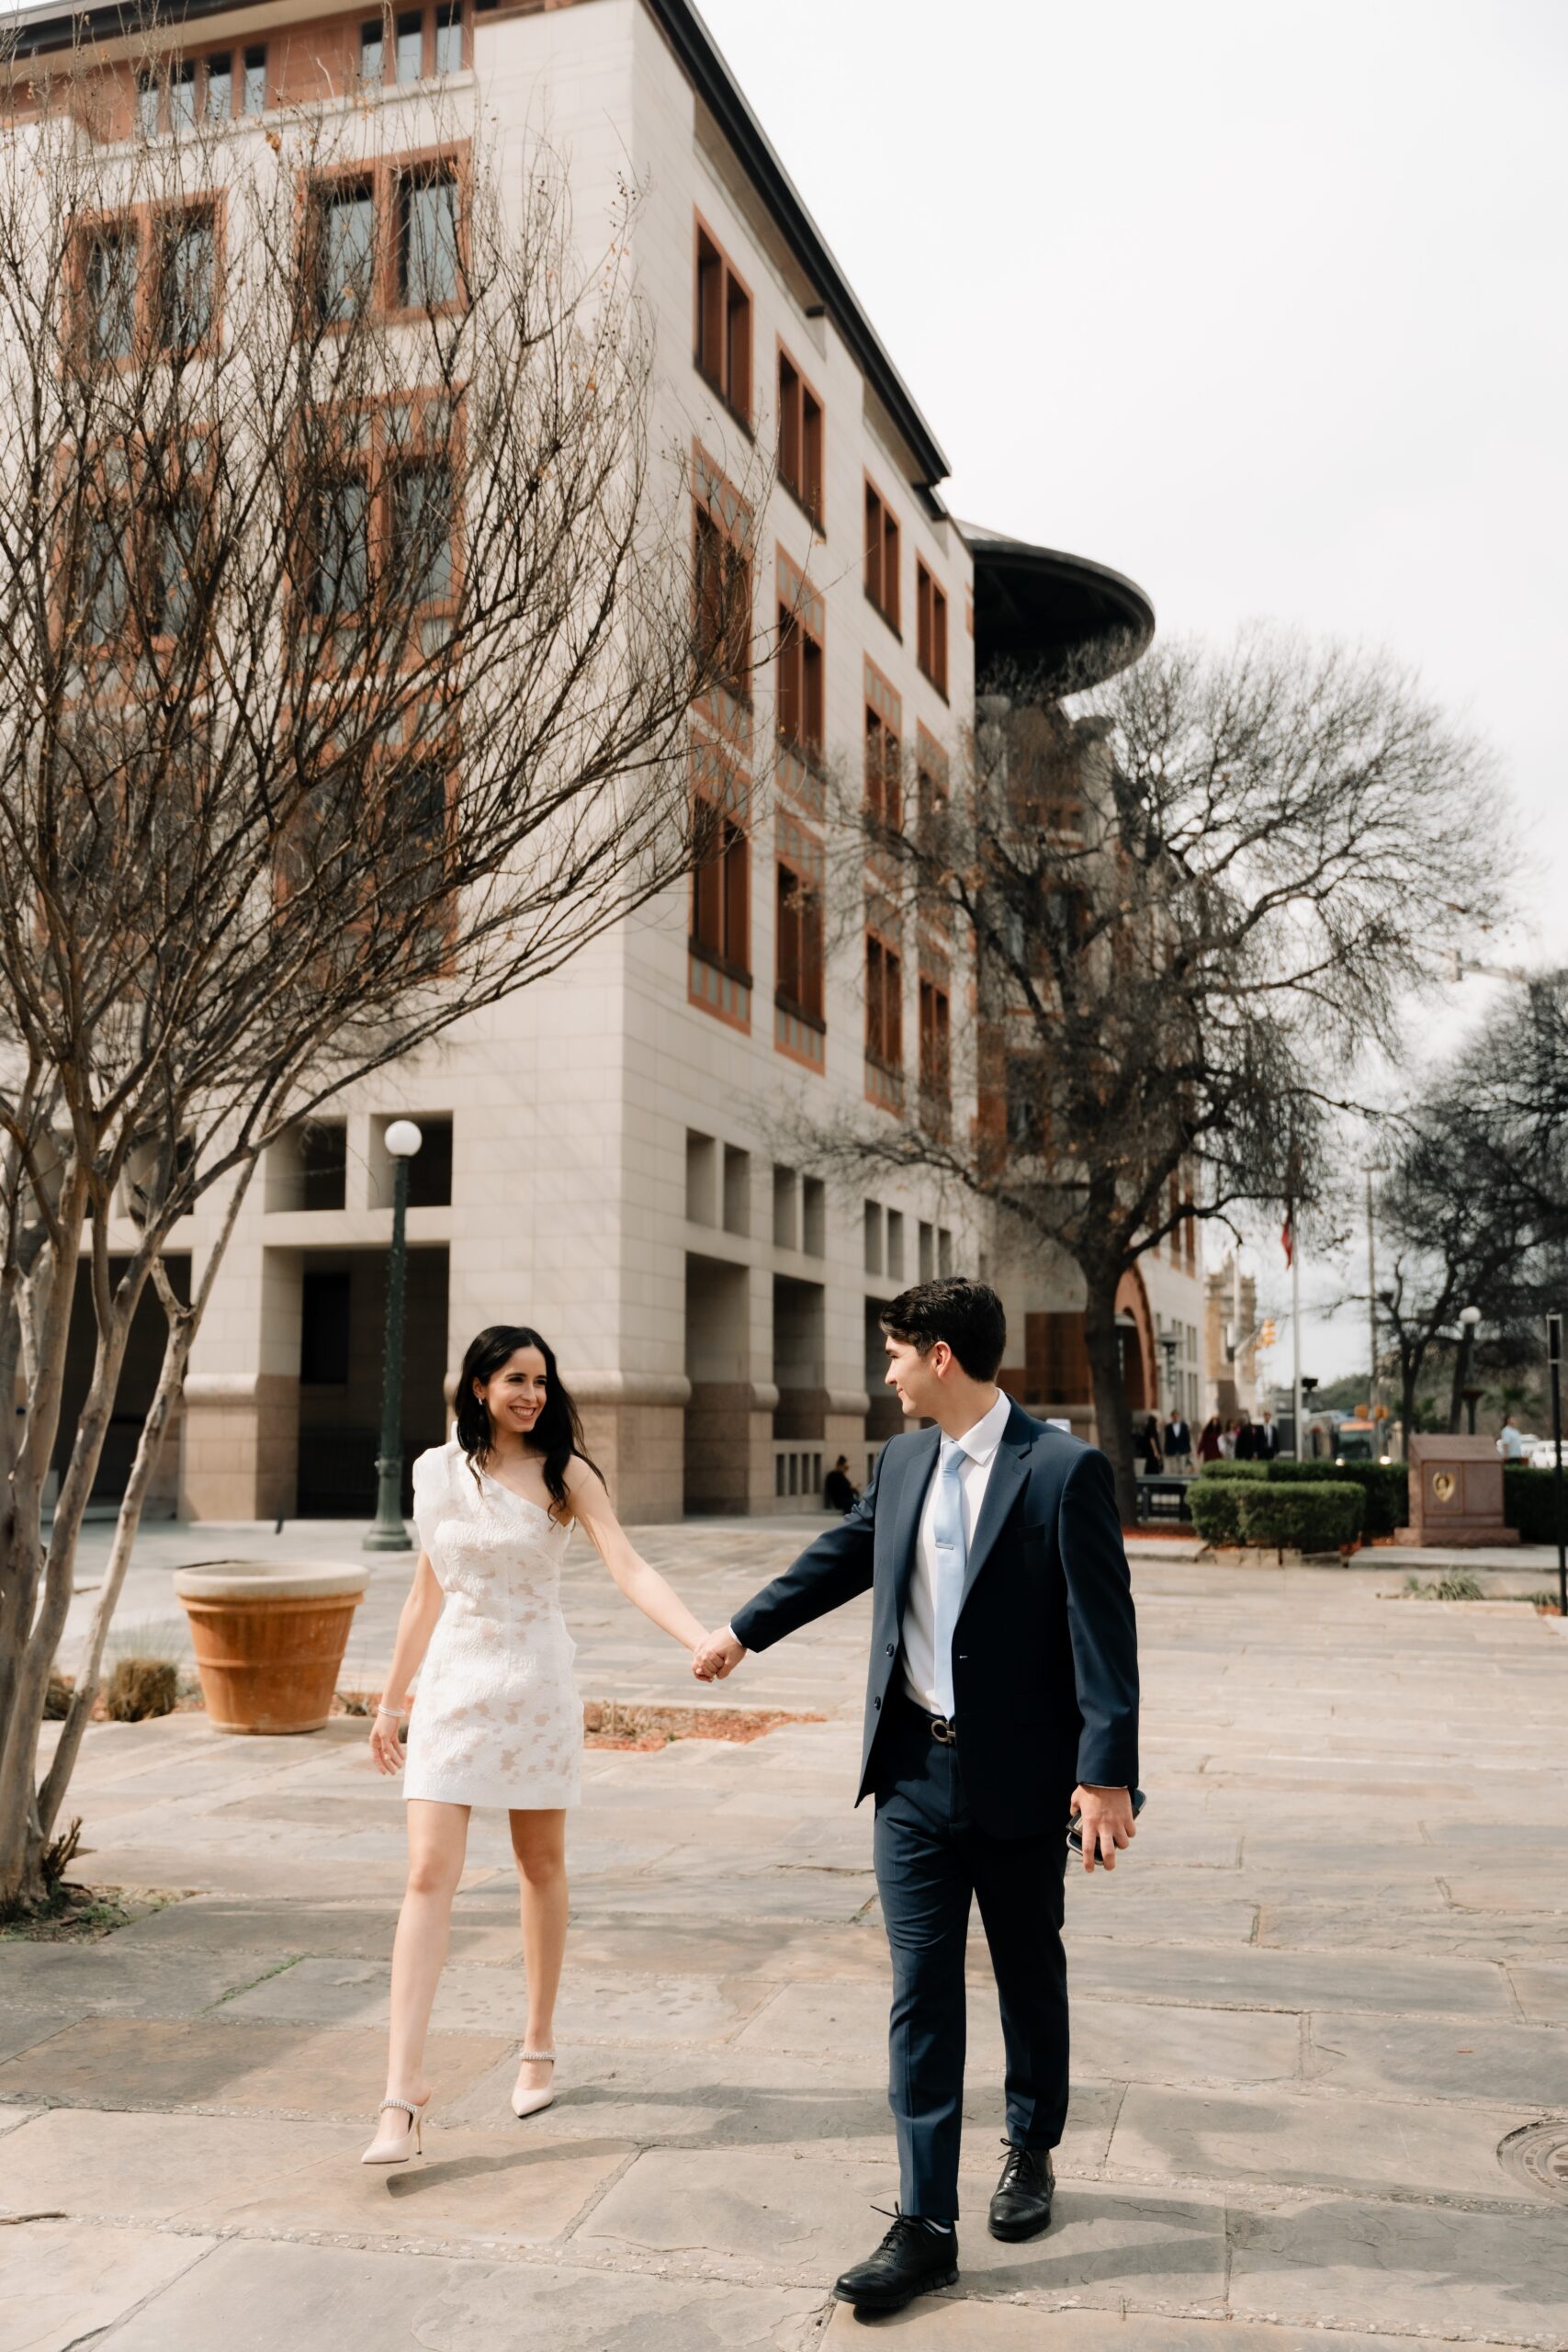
[{"x": 514, "y": 1396}]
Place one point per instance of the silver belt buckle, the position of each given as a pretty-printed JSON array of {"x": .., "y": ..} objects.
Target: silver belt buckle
[{"x": 942, "y": 1732}]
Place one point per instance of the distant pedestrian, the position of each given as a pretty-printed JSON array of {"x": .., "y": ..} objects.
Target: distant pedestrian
[
  {"x": 1209, "y": 1444},
  {"x": 837, "y": 1492},
  {"x": 1148, "y": 1448},
  {"x": 1245, "y": 1442},
  {"x": 1178, "y": 1443},
  {"x": 1511, "y": 1443},
  {"x": 1265, "y": 1440},
  {"x": 1227, "y": 1442}
]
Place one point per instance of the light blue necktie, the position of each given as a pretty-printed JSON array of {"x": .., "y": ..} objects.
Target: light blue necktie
[{"x": 952, "y": 1554}]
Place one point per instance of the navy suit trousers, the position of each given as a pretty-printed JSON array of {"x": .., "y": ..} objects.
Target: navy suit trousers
[{"x": 931, "y": 1863}]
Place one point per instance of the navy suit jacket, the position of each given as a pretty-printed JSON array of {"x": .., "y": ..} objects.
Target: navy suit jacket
[{"x": 1045, "y": 1655}]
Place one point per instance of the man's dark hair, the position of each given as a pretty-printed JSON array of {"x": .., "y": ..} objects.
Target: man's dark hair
[{"x": 968, "y": 1314}]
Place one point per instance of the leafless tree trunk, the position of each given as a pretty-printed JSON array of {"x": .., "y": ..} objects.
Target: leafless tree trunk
[{"x": 346, "y": 649}]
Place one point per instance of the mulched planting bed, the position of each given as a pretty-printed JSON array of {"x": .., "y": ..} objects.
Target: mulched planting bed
[{"x": 607, "y": 1723}]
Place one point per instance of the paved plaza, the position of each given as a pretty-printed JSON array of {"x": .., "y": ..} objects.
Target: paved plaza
[{"x": 1328, "y": 1985}]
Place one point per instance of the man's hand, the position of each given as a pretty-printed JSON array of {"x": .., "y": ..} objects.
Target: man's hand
[
  {"x": 718, "y": 1657},
  {"x": 1106, "y": 1815}
]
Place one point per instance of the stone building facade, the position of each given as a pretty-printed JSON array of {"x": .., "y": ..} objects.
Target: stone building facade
[{"x": 602, "y": 1155}]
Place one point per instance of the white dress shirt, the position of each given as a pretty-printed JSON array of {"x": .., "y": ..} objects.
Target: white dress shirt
[{"x": 978, "y": 1445}]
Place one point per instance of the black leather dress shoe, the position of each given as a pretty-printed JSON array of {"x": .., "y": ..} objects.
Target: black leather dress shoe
[
  {"x": 1022, "y": 2206},
  {"x": 910, "y": 2260}
]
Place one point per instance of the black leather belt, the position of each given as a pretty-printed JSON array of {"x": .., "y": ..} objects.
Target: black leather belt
[{"x": 943, "y": 1728}]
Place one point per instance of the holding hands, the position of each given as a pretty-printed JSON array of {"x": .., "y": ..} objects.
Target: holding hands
[{"x": 715, "y": 1656}]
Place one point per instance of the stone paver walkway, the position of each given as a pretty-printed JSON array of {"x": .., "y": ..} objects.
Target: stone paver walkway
[{"x": 1330, "y": 1983}]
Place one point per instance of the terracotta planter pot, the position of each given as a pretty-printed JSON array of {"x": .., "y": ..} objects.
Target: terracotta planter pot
[{"x": 269, "y": 1641}]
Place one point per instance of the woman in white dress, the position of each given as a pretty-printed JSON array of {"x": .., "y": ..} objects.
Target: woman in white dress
[{"x": 498, "y": 1720}]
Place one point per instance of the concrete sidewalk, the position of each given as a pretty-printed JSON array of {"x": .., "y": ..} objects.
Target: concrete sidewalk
[{"x": 1328, "y": 1989}]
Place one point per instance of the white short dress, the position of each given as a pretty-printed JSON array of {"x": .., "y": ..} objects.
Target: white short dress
[{"x": 496, "y": 1718}]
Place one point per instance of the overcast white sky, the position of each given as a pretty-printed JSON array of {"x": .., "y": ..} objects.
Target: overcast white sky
[{"x": 1261, "y": 304}]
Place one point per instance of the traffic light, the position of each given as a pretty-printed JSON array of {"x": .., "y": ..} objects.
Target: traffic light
[{"x": 1265, "y": 1337}]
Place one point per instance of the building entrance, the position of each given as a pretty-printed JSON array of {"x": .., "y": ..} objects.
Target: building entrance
[{"x": 343, "y": 1322}]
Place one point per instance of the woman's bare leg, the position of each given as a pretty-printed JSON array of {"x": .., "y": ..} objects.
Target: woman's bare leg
[
  {"x": 438, "y": 1839},
  {"x": 538, "y": 1845}
]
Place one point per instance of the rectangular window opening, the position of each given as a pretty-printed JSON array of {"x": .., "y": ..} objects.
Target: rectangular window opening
[{"x": 428, "y": 259}]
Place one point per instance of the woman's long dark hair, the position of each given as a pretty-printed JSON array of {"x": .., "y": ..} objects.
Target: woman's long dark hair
[{"x": 558, "y": 1433}]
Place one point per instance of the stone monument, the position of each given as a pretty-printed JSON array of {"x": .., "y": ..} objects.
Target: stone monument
[{"x": 1455, "y": 1492}]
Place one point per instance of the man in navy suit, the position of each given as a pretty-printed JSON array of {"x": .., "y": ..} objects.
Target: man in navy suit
[{"x": 1002, "y": 1694}]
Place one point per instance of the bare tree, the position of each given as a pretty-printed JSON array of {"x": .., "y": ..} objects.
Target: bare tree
[
  {"x": 1475, "y": 1206},
  {"x": 1184, "y": 908},
  {"x": 346, "y": 647}
]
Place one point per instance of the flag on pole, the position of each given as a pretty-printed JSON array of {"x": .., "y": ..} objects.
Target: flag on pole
[{"x": 1288, "y": 1238}]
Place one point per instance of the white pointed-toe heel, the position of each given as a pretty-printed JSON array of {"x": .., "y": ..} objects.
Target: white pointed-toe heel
[
  {"x": 393, "y": 2146},
  {"x": 531, "y": 2102}
]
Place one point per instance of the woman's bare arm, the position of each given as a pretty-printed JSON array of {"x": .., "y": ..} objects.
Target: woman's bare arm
[
  {"x": 642, "y": 1585},
  {"x": 415, "y": 1625}
]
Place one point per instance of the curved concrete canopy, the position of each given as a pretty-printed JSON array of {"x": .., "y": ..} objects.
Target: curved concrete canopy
[{"x": 1060, "y": 617}]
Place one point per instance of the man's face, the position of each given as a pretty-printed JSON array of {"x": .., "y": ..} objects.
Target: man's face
[{"x": 917, "y": 1379}]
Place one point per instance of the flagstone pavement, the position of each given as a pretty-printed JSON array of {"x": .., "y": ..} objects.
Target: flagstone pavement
[{"x": 1328, "y": 1987}]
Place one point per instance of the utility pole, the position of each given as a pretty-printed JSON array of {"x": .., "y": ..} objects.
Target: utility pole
[
  {"x": 1296, "y": 1332},
  {"x": 1371, "y": 1302}
]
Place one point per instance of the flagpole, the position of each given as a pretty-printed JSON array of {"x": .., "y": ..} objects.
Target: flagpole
[{"x": 1296, "y": 1332}]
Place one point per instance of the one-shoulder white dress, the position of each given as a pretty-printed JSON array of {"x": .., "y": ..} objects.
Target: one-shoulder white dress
[{"x": 496, "y": 1718}]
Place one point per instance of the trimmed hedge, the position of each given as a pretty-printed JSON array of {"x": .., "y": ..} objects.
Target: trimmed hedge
[
  {"x": 1303, "y": 1516},
  {"x": 1527, "y": 1503},
  {"x": 1215, "y": 1506},
  {"x": 1386, "y": 1486},
  {"x": 1234, "y": 1470}
]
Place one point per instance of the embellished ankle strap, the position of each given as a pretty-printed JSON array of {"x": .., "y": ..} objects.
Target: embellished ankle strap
[
  {"x": 536, "y": 2057},
  {"x": 404, "y": 2107}
]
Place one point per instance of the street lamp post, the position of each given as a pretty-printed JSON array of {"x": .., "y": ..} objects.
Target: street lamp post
[
  {"x": 1468, "y": 1317},
  {"x": 388, "y": 1532},
  {"x": 1554, "y": 1357}
]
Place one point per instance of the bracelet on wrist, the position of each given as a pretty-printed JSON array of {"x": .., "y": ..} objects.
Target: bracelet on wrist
[{"x": 389, "y": 1711}]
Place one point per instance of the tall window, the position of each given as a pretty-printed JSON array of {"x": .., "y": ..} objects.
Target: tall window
[
  {"x": 931, "y": 628},
  {"x": 253, "y": 91},
  {"x": 449, "y": 36},
  {"x": 175, "y": 566},
  {"x": 723, "y": 327},
  {"x": 883, "y": 1019},
  {"x": 186, "y": 270},
  {"x": 149, "y": 105},
  {"x": 108, "y": 289},
  {"x": 721, "y": 888},
  {"x": 372, "y": 50},
  {"x": 105, "y": 578},
  {"x": 800, "y": 438},
  {"x": 798, "y": 678},
  {"x": 408, "y": 49},
  {"x": 428, "y": 261},
  {"x": 932, "y": 788},
  {"x": 881, "y": 554},
  {"x": 798, "y": 1023},
  {"x": 421, "y": 531},
  {"x": 218, "y": 98},
  {"x": 182, "y": 95},
  {"x": 936, "y": 1060},
  {"x": 721, "y": 563},
  {"x": 345, "y": 250},
  {"x": 884, "y": 759},
  {"x": 340, "y": 575}
]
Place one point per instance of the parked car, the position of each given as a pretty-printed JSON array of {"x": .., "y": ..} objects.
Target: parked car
[{"x": 1538, "y": 1453}]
